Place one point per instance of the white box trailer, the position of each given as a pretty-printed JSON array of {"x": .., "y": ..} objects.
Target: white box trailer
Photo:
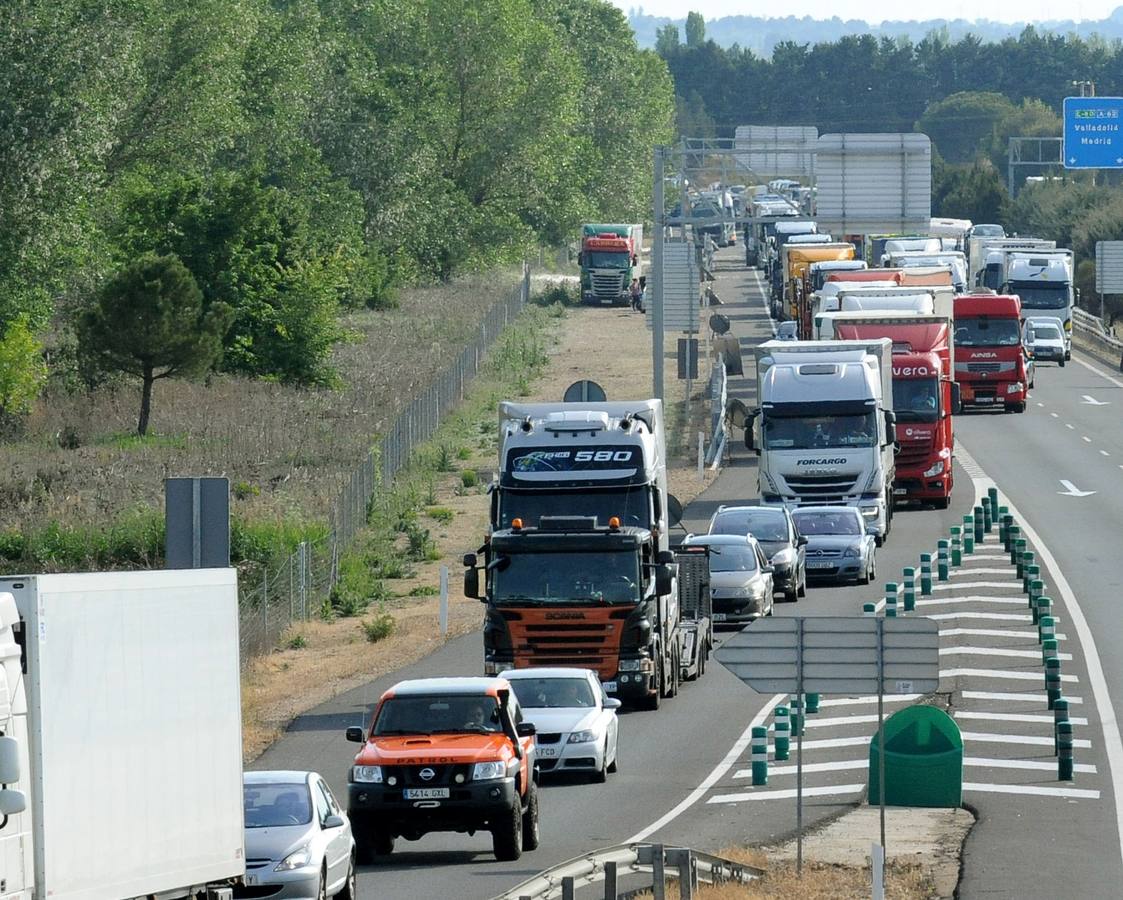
[{"x": 120, "y": 696}]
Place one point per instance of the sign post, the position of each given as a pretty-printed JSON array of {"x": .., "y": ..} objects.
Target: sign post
[{"x": 1093, "y": 138}]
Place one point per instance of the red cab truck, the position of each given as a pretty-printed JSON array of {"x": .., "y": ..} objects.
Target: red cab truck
[
  {"x": 925, "y": 398},
  {"x": 991, "y": 365}
]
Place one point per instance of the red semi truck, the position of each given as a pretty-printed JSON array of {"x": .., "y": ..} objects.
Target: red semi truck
[
  {"x": 991, "y": 366},
  {"x": 925, "y": 397}
]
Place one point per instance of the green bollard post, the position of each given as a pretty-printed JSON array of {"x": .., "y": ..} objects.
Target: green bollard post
[
  {"x": 1032, "y": 574},
  {"x": 980, "y": 522},
  {"x": 1027, "y": 558},
  {"x": 988, "y": 518},
  {"x": 782, "y": 726},
  {"x": 1046, "y": 627},
  {"x": 1019, "y": 547},
  {"x": 992, "y": 496},
  {"x": 1045, "y": 611},
  {"x": 812, "y": 701},
  {"x": 1004, "y": 522},
  {"x": 910, "y": 589},
  {"x": 760, "y": 755},
  {"x": 1064, "y": 750},
  {"x": 1060, "y": 714},
  {"x": 956, "y": 549},
  {"x": 1036, "y": 589},
  {"x": 1052, "y": 680},
  {"x": 797, "y": 716},
  {"x": 869, "y": 609},
  {"x": 942, "y": 560},
  {"x": 891, "y": 600},
  {"x": 968, "y": 535},
  {"x": 925, "y": 574},
  {"x": 1048, "y": 650}
]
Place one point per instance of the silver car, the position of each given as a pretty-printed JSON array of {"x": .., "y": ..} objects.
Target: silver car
[
  {"x": 575, "y": 720},
  {"x": 298, "y": 839},
  {"x": 838, "y": 546},
  {"x": 741, "y": 583}
]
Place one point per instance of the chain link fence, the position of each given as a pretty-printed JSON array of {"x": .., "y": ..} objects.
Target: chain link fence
[{"x": 299, "y": 587}]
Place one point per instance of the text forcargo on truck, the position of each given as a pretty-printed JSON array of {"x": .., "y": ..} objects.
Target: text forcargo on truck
[
  {"x": 824, "y": 427},
  {"x": 991, "y": 364},
  {"x": 609, "y": 259},
  {"x": 121, "y": 754}
]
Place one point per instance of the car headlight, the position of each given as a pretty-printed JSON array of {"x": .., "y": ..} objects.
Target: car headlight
[
  {"x": 367, "y": 774},
  {"x": 870, "y": 512},
  {"x": 937, "y": 469},
  {"x": 1014, "y": 387},
  {"x": 488, "y": 771},
  {"x": 581, "y": 737},
  {"x": 852, "y": 552},
  {"x": 298, "y": 859},
  {"x": 783, "y": 558}
]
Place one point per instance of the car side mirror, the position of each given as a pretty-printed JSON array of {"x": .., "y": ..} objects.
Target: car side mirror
[
  {"x": 472, "y": 583},
  {"x": 612, "y": 703},
  {"x": 356, "y": 735},
  {"x": 526, "y": 729},
  {"x": 802, "y": 541},
  {"x": 768, "y": 570},
  {"x": 749, "y": 437},
  {"x": 664, "y": 579},
  {"x": 956, "y": 399},
  {"x": 334, "y": 821},
  {"x": 871, "y": 529}
]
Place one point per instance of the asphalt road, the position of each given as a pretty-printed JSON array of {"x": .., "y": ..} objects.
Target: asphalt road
[{"x": 680, "y": 768}]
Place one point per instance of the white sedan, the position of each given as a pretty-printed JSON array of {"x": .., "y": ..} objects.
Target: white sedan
[{"x": 575, "y": 720}]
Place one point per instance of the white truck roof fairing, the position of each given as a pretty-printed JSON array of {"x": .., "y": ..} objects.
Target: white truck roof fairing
[
  {"x": 802, "y": 227},
  {"x": 824, "y": 371},
  {"x": 1055, "y": 266}
]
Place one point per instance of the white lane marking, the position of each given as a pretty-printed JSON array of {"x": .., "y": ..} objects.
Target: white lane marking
[
  {"x": 1015, "y": 717},
  {"x": 1014, "y": 698},
  {"x": 857, "y": 701},
  {"x": 998, "y": 673},
  {"x": 1071, "y": 490},
  {"x": 1029, "y": 740},
  {"x": 1030, "y": 764},
  {"x": 813, "y": 722},
  {"x": 944, "y": 601},
  {"x": 1030, "y": 790},
  {"x": 1104, "y": 453},
  {"x": 1092, "y": 401},
  {"x": 980, "y": 570},
  {"x": 1085, "y": 438},
  {"x": 831, "y": 743},
  {"x": 1113, "y": 740},
  {"x": 998, "y": 651},
  {"x": 717, "y": 773},
  {"x": 1055, "y": 415},
  {"x": 841, "y": 765},
  {"x": 995, "y": 617},
  {"x": 1039, "y": 403},
  {"x": 1068, "y": 426},
  {"x": 830, "y": 791},
  {"x": 973, "y": 585},
  {"x": 1098, "y": 371},
  {"x": 995, "y": 632},
  {"x": 1005, "y": 556}
]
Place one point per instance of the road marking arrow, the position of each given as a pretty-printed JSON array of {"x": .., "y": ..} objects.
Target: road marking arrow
[
  {"x": 1070, "y": 490},
  {"x": 1092, "y": 401}
]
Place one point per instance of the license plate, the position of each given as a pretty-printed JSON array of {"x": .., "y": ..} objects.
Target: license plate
[
  {"x": 425, "y": 793},
  {"x": 985, "y": 399},
  {"x": 251, "y": 880},
  {"x": 720, "y": 617},
  {"x": 820, "y": 564},
  {"x": 610, "y": 687},
  {"x": 900, "y": 492},
  {"x": 549, "y": 752}
]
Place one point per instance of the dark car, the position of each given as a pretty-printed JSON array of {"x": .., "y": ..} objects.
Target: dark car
[
  {"x": 779, "y": 538},
  {"x": 838, "y": 545}
]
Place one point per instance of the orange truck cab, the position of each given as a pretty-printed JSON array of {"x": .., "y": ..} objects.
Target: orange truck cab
[{"x": 445, "y": 754}]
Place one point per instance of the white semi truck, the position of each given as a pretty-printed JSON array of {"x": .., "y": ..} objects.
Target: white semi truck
[
  {"x": 120, "y": 736},
  {"x": 824, "y": 429}
]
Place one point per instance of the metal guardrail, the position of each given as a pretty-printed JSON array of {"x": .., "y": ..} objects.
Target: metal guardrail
[
  {"x": 609, "y": 865},
  {"x": 1090, "y": 335}
]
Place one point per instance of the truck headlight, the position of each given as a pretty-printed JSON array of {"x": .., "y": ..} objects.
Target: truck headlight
[
  {"x": 367, "y": 774},
  {"x": 489, "y": 771},
  {"x": 298, "y": 859},
  {"x": 870, "y": 512},
  {"x": 581, "y": 737},
  {"x": 937, "y": 469},
  {"x": 630, "y": 665}
]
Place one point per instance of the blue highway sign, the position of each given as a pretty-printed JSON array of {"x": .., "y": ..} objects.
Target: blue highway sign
[{"x": 1093, "y": 138}]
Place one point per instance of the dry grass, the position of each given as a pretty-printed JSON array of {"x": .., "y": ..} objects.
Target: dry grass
[{"x": 287, "y": 448}]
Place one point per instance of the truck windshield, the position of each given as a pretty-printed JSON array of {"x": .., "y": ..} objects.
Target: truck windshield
[
  {"x": 567, "y": 578},
  {"x": 431, "y": 715},
  {"x": 1041, "y": 294},
  {"x": 819, "y": 432},
  {"x": 604, "y": 259},
  {"x": 916, "y": 399},
  {"x": 987, "y": 332},
  {"x": 630, "y": 505}
]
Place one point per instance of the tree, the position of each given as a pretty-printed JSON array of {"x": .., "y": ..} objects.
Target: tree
[
  {"x": 964, "y": 124},
  {"x": 973, "y": 192},
  {"x": 667, "y": 40},
  {"x": 695, "y": 30},
  {"x": 149, "y": 321},
  {"x": 22, "y": 370}
]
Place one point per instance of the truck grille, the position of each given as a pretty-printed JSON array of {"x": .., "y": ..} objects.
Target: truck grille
[
  {"x": 593, "y": 643},
  {"x": 914, "y": 453},
  {"x": 820, "y": 487},
  {"x": 985, "y": 368},
  {"x": 608, "y": 286},
  {"x": 443, "y": 776}
]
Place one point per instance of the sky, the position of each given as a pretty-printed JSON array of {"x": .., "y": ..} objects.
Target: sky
[{"x": 995, "y": 10}]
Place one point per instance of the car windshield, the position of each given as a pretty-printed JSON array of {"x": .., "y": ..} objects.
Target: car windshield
[
  {"x": 605, "y": 259},
  {"x": 764, "y": 525},
  {"x": 732, "y": 558},
  {"x": 916, "y": 399},
  {"x": 630, "y": 504},
  {"x": 553, "y": 693},
  {"x": 819, "y": 432},
  {"x": 1041, "y": 294},
  {"x": 987, "y": 332},
  {"x": 435, "y": 714},
  {"x": 276, "y": 805},
  {"x": 841, "y": 522},
  {"x": 571, "y": 577}
]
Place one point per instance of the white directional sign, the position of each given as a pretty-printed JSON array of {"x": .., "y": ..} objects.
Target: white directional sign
[
  {"x": 1071, "y": 490},
  {"x": 837, "y": 655},
  {"x": 1109, "y": 267}
]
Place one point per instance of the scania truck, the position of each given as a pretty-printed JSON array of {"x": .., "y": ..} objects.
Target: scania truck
[
  {"x": 609, "y": 260},
  {"x": 824, "y": 427},
  {"x": 991, "y": 364}
]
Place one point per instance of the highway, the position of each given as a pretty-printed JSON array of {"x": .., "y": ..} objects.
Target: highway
[{"x": 680, "y": 768}]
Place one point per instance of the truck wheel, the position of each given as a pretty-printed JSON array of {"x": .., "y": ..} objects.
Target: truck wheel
[
  {"x": 652, "y": 701},
  {"x": 507, "y": 835},
  {"x": 531, "y": 836},
  {"x": 676, "y": 674},
  {"x": 614, "y": 766}
]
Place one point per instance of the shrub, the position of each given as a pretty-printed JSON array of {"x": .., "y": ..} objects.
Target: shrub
[
  {"x": 442, "y": 514},
  {"x": 464, "y": 453},
  {"x": 296, "y": 642},
  {"x": 424, "y": 590},
  {"x": 444, "y": 458},
  {"x": 420, "y": 543},
  {"x": 243, "y": 490},
  {"x": 379, "y": 627},
  {"x": 469, "y": 478}
]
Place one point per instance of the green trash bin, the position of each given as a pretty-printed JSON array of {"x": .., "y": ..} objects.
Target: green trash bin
[{"x": 923, "y": 760}]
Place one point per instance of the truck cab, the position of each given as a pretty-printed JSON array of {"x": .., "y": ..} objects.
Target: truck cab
[
  {"x": 609, "y": 260},
  {"x": 992, "y": 366}
]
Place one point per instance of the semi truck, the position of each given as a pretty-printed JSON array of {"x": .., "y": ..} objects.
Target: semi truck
[
  {"x": 798, "y": 258},
  {"x": 985, "y": 254},
  {"x": 1043, "y": 281},
  {"x": 824, "y": 427},
  {"x": 609, "y": 260},
  {"x": 120, "y": 736},
  {"x": 925, "y": 398},
  {"x": 991, "y": 364}
]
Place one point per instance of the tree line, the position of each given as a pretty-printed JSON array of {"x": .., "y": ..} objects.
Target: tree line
[{"x": 246, "y": 170}]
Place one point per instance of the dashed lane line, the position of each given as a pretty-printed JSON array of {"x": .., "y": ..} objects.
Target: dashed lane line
[
  {"x": 979, "y": 570},
  {"x": 1104, "y": 453},
  {"x": 1033, "y": 697},
  {"x": 1085, "y": 438},
  {"x": 999, "y": 651},
  {"x": 995, "y": 632},
  {"x": 945, "y": 601},
  {"x": 1030, "y": 765},
  {"x": 856, "y": 701},
  {"x": 815, "y": 722},
  {"x": 1070, "y": 427},
  {"x": 838, "y": 790},
  {"x": 1028, "y": 718},
  {"x": 1029, "y": 740},
  {"x": 974, "y": 762},
  {"x": 994, "y": 617},
  {"x": 1000, "y": 673},
  {"x": 973, "y": 585}
]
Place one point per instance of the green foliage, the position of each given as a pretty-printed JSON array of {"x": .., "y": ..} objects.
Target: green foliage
[
  {"x": 134, "y": 540},
  {"x": 972, "y": 191},
  {"x": 444, "y": 458},
  {"x": 424, "y": 590},
  {"x": 296, "y": 642},
  {"x": 960, "y": 124},
  {"x": 464, "y": 453},
  {"x": 381, "y": 626},
  {"x": 22, "y": 369},
  {"x": 695, "y": 30},
  {"x": 442, "y": 514},
  {"x": 243, "y": 490},
  {"x": 469, "y": 478},
  {"x": 149, "y": 321},
  {"x": 420, "y": 542}
]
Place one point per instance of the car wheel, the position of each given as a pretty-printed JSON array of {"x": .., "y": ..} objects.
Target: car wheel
[
  {"x": 1062, "y": 362},
  {"x": 348, "y": 892},
  {"x": 941, "y": 503},
  {"x": 872, "y": 569},
  {"x": 600, "y": 776},
  {"x": 507, "y": 835},
  {"x": 790, "y": 596},
  {"x": 614, "y": 766},
  {"x": 322, "y": 893},
  {"x": 801, "y": 591},
  {"x": 864, "y": 578},
  {"x": 531, "y": 836}
]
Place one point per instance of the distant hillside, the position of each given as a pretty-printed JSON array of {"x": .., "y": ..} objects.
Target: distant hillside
[{"x": 760, "y": 35}]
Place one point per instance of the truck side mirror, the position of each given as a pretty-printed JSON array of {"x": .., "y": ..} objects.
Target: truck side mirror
[
  {"x": 674, "y": 511},
  {"x": 956, "y": 399},
  {"x": 749, "y": 437},
  {"x": 9, "y": 760},
  {"x": 664, "y": 579},
  {"x": 472, "y": 583},
  {"x": 665, "y": 557},
  {"x": 12, "y": 803},
  {"x": 469, "y": 560},
  {"x": 580, "y": 259}
]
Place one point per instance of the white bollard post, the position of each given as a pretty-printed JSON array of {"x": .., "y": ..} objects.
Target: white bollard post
[
  {"x": 701, "y": 456},
  {"x": 444, "y": 601}
]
